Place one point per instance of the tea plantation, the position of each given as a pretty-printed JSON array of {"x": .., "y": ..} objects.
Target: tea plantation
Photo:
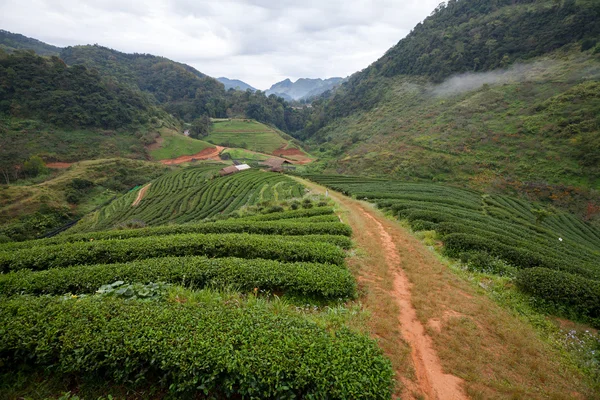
[
  {"x": 193, "y": 194},
  {"x": 552, "y": 255},
  {"x": 188, "y": 307}
]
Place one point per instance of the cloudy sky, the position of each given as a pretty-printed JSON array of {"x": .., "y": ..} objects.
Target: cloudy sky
[{"x": 258, "y": 41}]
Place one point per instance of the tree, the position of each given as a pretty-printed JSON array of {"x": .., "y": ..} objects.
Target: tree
[
  {"x": 34, "y": 166},
  {"x": 201, "y": 127}
]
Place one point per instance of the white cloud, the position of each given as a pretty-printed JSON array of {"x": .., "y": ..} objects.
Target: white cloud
[{"x": 258, "y": 41}]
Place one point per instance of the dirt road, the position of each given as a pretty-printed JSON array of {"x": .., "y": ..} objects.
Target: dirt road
[{"x": 429, "y": 381}]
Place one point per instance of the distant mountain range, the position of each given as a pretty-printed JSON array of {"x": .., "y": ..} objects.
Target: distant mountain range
[
  {"x": 235, "y": 84},
  {"x": 303, "y": 88}
]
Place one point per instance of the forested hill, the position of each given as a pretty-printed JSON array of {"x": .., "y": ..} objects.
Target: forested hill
[
  {"x": 47, "y": 89},
  {"x": 182, "y": 90},
  {"x": 481, "y": 35},
  {"x": 474, "y": 36},
  {"x": 516, "y": 109},
  {"x": 168, "y": 81},
  {"x": 13, "y": 41}
]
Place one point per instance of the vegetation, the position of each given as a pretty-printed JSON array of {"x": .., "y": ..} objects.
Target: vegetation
[
  {"x": 172, "y": 144},
  {"x": 193, "y": 194},
  {"x": 246, "y": 350},
  {"x": 37, "y": 87},
  {"x": 325, "y": 281},
  {"x": 113, "y": 275},
  {"x": 13, "y": 41},
  {"x": 32, "y": 208},
  {"x": 532, "y": 133},
  {"x": 294, "y": 227},
  {"x": 498, "y": 234},
  {"x": 246, "y": 134},
  {"x": 182, "y": 90}
]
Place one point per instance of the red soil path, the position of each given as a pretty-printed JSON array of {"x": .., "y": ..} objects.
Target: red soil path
[
  {"x": 58, "y": 165},
  {"x": 141, "y": 195},
  {"x": 211, "y": 153},
  {"x": 431, "y": 382}
]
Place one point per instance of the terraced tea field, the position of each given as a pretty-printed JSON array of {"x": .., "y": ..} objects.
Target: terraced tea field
[
  {"x": 245, "y": 307},
  {"x": 193, "y": 194},
  {"x": 247, "y": 134},
  {"x": 553, "y": 256}
]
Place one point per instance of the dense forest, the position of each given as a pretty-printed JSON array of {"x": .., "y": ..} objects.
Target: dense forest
[
  {"x": 182, "y": 90},
  {"x": 47, "y": 89},
  {"x": 13, "y": 41}
]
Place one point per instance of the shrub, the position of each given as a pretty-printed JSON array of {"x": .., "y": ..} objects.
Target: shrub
[
  {"x": 313, "y": 249},
  {"x": 310, "y": 279},
  {"x": 286, "y": 228},
  {"x": 562, "y": 289},
  {"x": 218, "y": 349}
]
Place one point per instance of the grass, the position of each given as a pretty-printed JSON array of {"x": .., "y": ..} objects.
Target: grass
[
  {"x": 247, "y": 134},
  {"x": 242, "y": 154},
  {"x": 34, "y": 137},
  {"x": 173, "y": 145}
]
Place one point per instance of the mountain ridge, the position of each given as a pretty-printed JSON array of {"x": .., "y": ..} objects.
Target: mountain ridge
[
  {"x": 303, "y": 88},
  {"x": 235, "y": 84}
]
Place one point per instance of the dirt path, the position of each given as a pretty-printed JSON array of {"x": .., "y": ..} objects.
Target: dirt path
[
  {"x": 141, "y": 195},
  {"x": 429, "y": 379},
  {"x": 211, "y": 153}
]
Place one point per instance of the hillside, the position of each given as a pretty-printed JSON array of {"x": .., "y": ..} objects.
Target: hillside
[
  {"x": 69, "y": 114},
  {"x": 254, "y": 136},
  {"x": 252, "y": 260},
  {"x": 303, "y": 88},
  {"x": 33, "y": 208},
  {"x": 10, "y": 42},
  {"x": 528, "y": 127},
  {"x": 235, "y": 84}
]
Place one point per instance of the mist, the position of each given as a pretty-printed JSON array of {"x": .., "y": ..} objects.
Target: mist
[{"x": 517, "y": 73}]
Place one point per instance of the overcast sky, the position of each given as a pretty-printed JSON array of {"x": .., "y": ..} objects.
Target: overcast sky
[{"x": 258, "y": 41}]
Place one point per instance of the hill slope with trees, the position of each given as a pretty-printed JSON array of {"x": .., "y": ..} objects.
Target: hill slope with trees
[
  {"x": 523, "y": 118},
  {"x": 13, "y": 41}
]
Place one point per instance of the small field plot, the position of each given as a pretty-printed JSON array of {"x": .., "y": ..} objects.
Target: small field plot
[
  {"x": 551, "y": 255},
  {"x": 172, "y": 145},
  {"x": 242, "y": 154},
  {"x": 247, "y": 134},
  {"x": 193, "y": 194}
]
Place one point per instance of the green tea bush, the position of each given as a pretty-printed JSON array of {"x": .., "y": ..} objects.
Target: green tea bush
[
  {"x": 223, "y": 350},
  {"x": 281, "y": 248},
  {"x": 291, "y": 228},
  {"x": 310, "y": 279},
  {"x": 562, "y": 289}
]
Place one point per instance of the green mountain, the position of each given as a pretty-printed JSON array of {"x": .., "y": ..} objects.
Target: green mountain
[
  {"x": 47, "y": 89},
  {"x": 182, "y": 90},
  {"x": 13, "y": 41},
  {"x": 501, "y": 94}
]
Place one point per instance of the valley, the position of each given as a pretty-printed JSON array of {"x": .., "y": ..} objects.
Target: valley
[{"x": 427, "y": 228}]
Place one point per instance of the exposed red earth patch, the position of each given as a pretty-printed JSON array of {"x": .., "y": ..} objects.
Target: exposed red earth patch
[
  {"x": 58, "y": 165},
  {"x": 211, "y": 153}
]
